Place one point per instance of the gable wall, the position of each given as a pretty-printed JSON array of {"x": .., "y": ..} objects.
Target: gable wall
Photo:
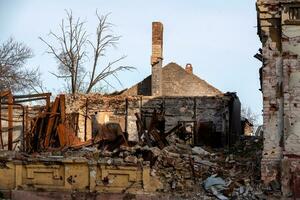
[{"x": 177, "y": 82}]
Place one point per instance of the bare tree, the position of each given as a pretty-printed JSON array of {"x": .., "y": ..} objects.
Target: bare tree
[
  {"x": 13, "y": 74},
  {"x": 72, "y": 53}
]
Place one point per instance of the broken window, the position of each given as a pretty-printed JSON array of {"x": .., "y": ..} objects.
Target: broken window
[{"x": 294, "y": 13}]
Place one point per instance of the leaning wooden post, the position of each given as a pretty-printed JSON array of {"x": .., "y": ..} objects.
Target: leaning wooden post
[
  {"x": 1, "y": 139},
  {"x": 10, "y": 121},
  {"x": 85, "y": 118},
  {"x": 26, "y": 134}
]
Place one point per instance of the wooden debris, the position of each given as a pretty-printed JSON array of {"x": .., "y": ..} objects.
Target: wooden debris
[
  {"x": 51, "y": 122},
  {"x": 154, "y": 135},
  {"x": 10, "y": 122}
]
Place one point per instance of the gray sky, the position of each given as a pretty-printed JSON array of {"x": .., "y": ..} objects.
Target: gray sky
[{"x": 217, "y": 37}]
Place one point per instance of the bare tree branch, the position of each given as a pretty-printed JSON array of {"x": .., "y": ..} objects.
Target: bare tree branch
[
  {"x": 72, "y": 48},
  {"x": 13, "y": 74}
]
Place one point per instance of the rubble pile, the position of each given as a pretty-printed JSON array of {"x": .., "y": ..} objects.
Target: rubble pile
[
  {"x": 185, "y": 170},
  {"x": 181, "y": 168},
  {"x": 231, "y": 173}
]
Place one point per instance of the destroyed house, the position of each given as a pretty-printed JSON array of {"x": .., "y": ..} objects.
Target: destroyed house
[
  {"x": 209, "y": 116},
  {"x": 115, "y": 143},
  {"x": 213, "y": 117}
]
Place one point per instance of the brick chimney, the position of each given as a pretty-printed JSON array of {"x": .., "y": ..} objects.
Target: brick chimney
[
  {"x": 156, "y": 58},
  {"x": 189, "y": 68}
]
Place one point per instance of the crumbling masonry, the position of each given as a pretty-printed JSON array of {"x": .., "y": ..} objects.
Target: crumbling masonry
[{"x": 279, "y": 32}]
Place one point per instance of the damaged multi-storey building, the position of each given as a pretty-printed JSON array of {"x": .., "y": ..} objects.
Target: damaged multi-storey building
[
  {"x": 172, "y": 100},
  {"x": 279, "y": 32}
]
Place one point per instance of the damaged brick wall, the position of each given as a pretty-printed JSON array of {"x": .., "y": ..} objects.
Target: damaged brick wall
[
  {"x": 176, "y": 81},
  {"x": 279, "y": 31},
  {"x": 121, "y": 109}
]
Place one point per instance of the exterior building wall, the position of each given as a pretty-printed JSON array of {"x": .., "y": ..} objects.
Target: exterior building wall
[
  {"x": 279, "y": 31},
  {"x": 75, "y": 174},
  {"x": 121, "y": 109}
]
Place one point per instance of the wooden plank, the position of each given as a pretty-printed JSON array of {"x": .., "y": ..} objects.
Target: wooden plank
[
  {"x": 40, "y": 128},
  {"x": 51, "y": 122},
  {"x": 54, "y": 136},
  {"x": 47, "y": 103},
  {"x": 5, "y": 93},
  {"x": 157, "y": 138},
  {"x": 62, "y": 108},
  {"x": 85, "y": 119},
  {"x": 126, "y": 115},
  {"x": 32, "y": 95},
  {"x": 31, "y": 99},
  {"x": 1, "y": 139},
  {"x": 27, "y": 137},
  {"x": 10, "y": 122},
  {"x": 61, "y": 130}
]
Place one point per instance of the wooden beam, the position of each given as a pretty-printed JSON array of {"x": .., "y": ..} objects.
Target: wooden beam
[
  {"x": 63, "y": 139},
  {"x": 126, "y": 115},
  {"x": 85, "y": 119},
  {"x": 1, "y": 139},
  {"x": 31, "y": 99},
  {"x": 5, "y": 93},
  {"x": 32, "y": 95},
  {"x": 10, "y": 121},
  {"x": 62, "y": 108},
  {"x": 47, "y": 103},
  {"x": 26, "y": 134},
  {"x": 51, "y": 122}
]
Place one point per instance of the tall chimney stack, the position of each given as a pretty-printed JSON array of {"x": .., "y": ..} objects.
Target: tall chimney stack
[{"x": 156, "y": 58}]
